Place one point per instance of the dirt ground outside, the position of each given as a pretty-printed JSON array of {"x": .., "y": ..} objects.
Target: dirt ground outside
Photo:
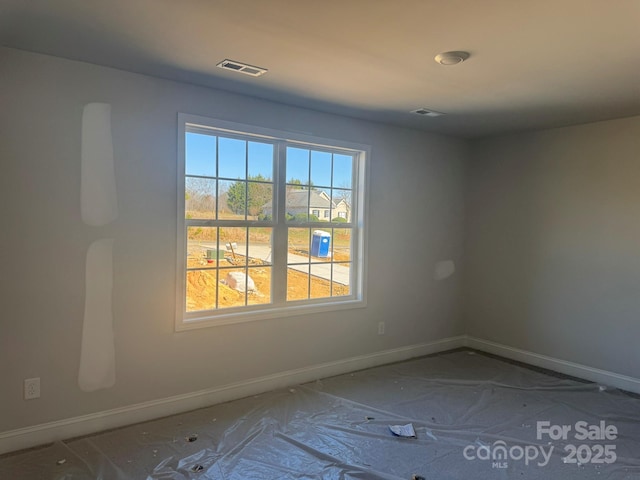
[{"x": 201, "y": 284}]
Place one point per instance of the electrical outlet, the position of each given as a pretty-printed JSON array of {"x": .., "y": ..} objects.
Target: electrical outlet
[
  {"x": 31, "y": 388},
  {"x": 380, "y": 328}
]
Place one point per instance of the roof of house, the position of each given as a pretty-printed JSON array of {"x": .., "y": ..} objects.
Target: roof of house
[
  {"x": 312, "y": 198},
  {"x": 301, "y": 198}
]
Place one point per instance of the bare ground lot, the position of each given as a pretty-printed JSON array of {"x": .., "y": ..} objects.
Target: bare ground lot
[{"x": 201, "y": 284}]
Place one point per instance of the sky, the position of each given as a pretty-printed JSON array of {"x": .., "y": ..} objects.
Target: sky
[{"x": 201, "y": 155}]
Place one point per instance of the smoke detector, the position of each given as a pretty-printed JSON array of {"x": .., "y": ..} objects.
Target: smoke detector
[
  {"x": 242, "y": 68},
  {"x": 451, "y": 58},
  {"x": 426, "y": 112}
]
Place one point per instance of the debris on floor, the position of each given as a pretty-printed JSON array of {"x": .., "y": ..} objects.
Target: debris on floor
[{"x": 406, "y": 431}]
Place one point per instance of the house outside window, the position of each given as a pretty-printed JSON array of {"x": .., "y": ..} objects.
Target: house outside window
[{"x": 247, "y": 246}]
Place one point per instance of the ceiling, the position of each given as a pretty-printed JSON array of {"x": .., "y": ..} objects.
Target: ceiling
[{"x": 533, "y": 64}]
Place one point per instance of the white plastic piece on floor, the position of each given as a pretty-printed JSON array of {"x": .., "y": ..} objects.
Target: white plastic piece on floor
[
  {"x": 98, "y": 198},
  {"x": 403, "y": 430},
  {"x": 444, "y": 270},
  {"x": 97, "y": 354},
  {"x": 240, "y": 281}
]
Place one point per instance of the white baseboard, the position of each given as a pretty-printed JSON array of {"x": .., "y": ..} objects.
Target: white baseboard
[
  {"x": 87, "y": 424},
  {"x": 596, "y": 375}
]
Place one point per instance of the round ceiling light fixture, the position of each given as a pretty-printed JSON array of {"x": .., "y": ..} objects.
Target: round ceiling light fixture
[{"x": 451, "y": 58}]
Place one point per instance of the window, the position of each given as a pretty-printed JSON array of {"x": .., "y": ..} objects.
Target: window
[{"x": 251, "y": 243}]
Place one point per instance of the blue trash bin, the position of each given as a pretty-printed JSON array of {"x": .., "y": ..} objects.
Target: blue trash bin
[{"x": 320, "y": 244}]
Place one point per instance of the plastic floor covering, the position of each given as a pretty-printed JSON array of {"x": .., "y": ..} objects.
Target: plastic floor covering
[{"x": 474, "y": 417}]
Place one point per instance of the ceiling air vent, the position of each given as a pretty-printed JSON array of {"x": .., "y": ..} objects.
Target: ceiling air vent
[
  {"x": 242, "y": 68},
  {"x": 426, "y": 112}
]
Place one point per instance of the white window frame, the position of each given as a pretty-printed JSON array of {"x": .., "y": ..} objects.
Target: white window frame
[{"x": 280, "y": 307}]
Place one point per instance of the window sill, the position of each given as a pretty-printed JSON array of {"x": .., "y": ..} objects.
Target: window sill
[{"x": 303, "y": 308}]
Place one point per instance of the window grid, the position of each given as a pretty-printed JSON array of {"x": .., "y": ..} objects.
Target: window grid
[{"x": 277, "y": 220}]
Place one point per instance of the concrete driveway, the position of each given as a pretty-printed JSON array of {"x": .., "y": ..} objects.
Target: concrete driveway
[{"x": 321, "y": 269}]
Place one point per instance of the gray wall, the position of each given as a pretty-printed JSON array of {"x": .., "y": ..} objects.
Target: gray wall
[
  {"x": 553, "y": 243},
  {"x": 416, "y": 219}
]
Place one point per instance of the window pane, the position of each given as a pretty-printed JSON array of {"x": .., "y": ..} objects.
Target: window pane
[
  {"x": 200, "y": 198},
  {"x": 200, "y": 154},
  {"x": 261, "y": 277},
  {"x": 233, "y": 288},
  {"x": 297, "y": 207},
  {"x": 321, "y": 169},
  {"x": 320, "y": 280},
  {"x": 341, "y": 244},
  {"x": 260, "y": 246},
  {"x": 232, "y": 203},
  {"x": 297, "y": 166},
  {"x": 260, "y": 202},
  {"x": 201, "y": 290},
  {"x": 202, "y": 248},
  {"x": 342, "y": 168},
  {"x": 260, "y": 161},
  {"x": 234, "y": 241},
  {"x": 298, "y": 282},
  {"x": 341, "y": 279},
  {"x": 299, "y": 244},
  {"x": 341, "y": 275},
  {"x": 232, "y": 158},
  {"x": 341, "y": 211}
]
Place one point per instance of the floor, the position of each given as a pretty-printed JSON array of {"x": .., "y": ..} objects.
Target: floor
[{"x": 474, "y": 416}]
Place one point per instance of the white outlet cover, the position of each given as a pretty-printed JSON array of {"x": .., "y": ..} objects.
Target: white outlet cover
[{"x": 31, "y": 388}]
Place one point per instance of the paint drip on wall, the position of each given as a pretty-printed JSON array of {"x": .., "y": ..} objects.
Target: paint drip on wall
[
  {"x": 97, "y": 357},
  {"x": 98, "y": 200}
]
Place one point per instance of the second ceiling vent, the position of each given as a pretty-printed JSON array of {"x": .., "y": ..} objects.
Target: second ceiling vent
[
  {"x": 242, "y": 68},
  {"x": 426, "y": 112}
]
